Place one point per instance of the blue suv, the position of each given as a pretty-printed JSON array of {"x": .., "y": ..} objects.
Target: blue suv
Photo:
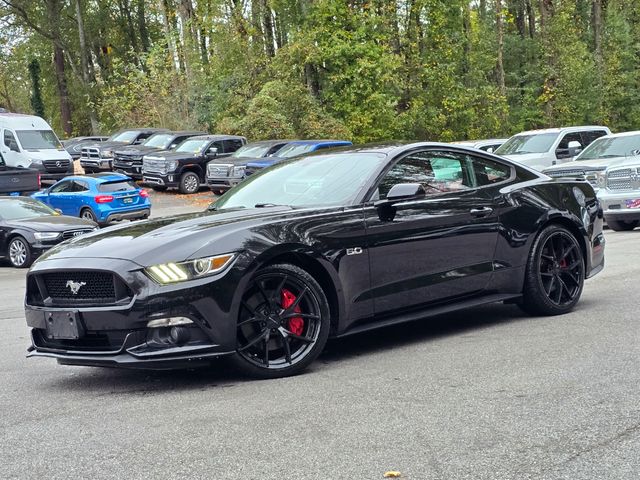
[
  {"x": 293, "y": 149},
  {"x": 102, "y": 198}
]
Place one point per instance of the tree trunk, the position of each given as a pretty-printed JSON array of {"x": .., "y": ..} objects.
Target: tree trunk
[
  {"x": 86, "y": 64},
  {"x": 63, "y": 93},
  {"x": 531, "y": 16},
  {"x": 142, "y": 26},
  {"x": 267, "y": 26},
  {"x": 499, "y": 63},
  {"x": 169, "y": 25}
]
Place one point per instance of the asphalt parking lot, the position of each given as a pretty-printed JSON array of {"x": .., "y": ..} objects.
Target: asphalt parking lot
[{"x": 484, "y": 394}]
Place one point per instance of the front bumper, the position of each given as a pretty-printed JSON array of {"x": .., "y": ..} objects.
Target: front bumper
[
  {"x": 156, "y": 179},
  {"x": 223, "y": 183},
  {"x": 95, "y": 165},
  {"x": 116, "y": 335},
  {"x": 620, "y": 206},
  {"x": 133, "y": 171}
]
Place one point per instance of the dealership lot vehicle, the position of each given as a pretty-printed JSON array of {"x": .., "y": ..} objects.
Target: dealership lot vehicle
[
  {"x": 540, "y": 149},
  {"x": 620, "y": 195},
  {"x": 489, "y": 145},
  {"x": 294, "y": 149},
  {"x": 29, "y": 142},
  {"x": 185, "y": 167},
  {"x": 102, "y": 198},
  {"x": 610, "y": 150},
  {"x": 221, "y": 176},
  {"x": 74, "y": 145},
  {"x": 18, "y": 181},
  {"x": 129, "y": 160},
  {"x": 28, "y": 228},
  {"x": 319, "y": 246},
  {"x": 99, "y": 157}
]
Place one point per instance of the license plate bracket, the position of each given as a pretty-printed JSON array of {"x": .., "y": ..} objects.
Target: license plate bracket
[
  {"x": 63, "y": 325},
  {"x": 127, "y": 199}
]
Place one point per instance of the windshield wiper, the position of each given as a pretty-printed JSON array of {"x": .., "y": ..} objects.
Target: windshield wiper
[{"x": 267, "y": 205}]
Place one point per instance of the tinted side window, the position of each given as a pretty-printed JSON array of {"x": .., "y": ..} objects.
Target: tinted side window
[
  {"x": 178, "y": 140},
  {"x": 570, "y": 137},
  {"x": 142, "y": 137},
  {"x": 217, "y": 145},
  {"x": 487, "y": 172},
  {"x": 232, "y": 145},
  {"x": 79, "y": 186},
  {"x": 436, "y": 171},
  {"x": 122, "y": 186},
  {"x": 62, "y": 187},
  {"x": 10, "y": 140},
  {"x": 588, "y": 137}
]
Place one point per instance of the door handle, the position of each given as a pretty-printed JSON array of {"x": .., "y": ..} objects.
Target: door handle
[{"x": 481, "y": 212}]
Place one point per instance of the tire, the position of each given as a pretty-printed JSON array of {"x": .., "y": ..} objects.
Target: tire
[
  {"x": 19, "y": 253},
  {"x": 273, "y": 341},
  {"x": 159, "y": 188},
  {"x": 622, "y": 225},
  {"x": 88, "y": 214},
  {"x": 554, "y": 276},
  {"x": 189, "y": 183}
]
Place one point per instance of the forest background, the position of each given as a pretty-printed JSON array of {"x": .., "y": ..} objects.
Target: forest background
[{"x": 365, "y": 70}]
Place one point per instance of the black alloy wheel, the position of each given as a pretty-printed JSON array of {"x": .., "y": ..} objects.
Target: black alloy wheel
[
  {"x": 555, "y": 273},
  {"x": 283, "y": 323}
]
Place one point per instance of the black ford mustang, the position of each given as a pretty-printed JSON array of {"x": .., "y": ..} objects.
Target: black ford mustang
[{"x": 323, "y": 245}]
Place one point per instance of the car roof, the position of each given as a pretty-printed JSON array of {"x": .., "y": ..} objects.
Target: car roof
[
  {"x": 270, "y": 142},
  {"x": 99, "y": 177},
  {"x": 186, "y": 132},
  {"x": 562, "y": 129},
  {"x": 217, "y": 137},
  {"x": 319, "y": 142},
  {"x": 621, "y": 134},
  {"x": 145, "y": 129},
  {"x": 480, "y": 142}
]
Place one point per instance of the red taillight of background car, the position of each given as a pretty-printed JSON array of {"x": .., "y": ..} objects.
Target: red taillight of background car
[
  {"x": 39, "y": 182},
  {"x": 104, "y": 198},
  {"x": 144, "y": 194}
]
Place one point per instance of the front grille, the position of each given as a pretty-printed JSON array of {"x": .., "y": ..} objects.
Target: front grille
[
  {"x": 90, "y": 153},
  {"x": 619, "y": 184},
  {"x": 154, "y": 166},
  {"x": 127, "y": 161},
  {"x": 56, "y": 166},
  {"x": 217, "y": 170},
  {"x": 74, "y": 233},
  {"x": 91, "y": 287},
  {"x": 623, "y": 172}
]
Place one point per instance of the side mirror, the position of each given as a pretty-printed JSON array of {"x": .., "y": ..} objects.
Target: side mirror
[
  {"x": 212, "y": 152},
  {"x": 405, "y": 191},
  {"x": 574, "y": 148}
]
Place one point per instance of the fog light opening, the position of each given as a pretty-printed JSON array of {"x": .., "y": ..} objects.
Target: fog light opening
[
  {"x": 179, "y": 335},
  {"x": 169, "y": 322}
]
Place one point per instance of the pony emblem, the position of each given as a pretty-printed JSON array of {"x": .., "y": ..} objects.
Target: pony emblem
[{"x": 75, "y": 286}]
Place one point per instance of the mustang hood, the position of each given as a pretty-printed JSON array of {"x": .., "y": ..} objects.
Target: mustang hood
[{"x": 169, "y": 239}]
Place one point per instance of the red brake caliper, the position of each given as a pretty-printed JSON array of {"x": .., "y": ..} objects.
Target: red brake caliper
[{"x": 296, "y": 324}]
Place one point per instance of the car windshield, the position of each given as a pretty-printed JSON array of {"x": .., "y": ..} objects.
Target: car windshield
[
  {"x": 118, "y": 186},
  {"x": 127, "y": 136},
  {"x": 255, "y": 151},
  {"x": 38, "y": 140},
  {"x": 533, "y": 143},
  {"x": 18, "y": 209},
  {"x": 611, "y": 147},
  {"x": 159, "y": 140},
  {"x": 294, "y": 149},
  {"x": 192, "y": 146},
  {"x": 325, "y": 180}
]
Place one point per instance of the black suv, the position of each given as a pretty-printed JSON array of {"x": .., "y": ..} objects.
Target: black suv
[
  {"x": 129, "y": 160},
  {"x": 99, "y": 157},
  {"x": 186, "y": 166}
]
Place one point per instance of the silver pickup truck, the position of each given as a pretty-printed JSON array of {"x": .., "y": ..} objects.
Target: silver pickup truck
[{"x": 619, "y": 196}]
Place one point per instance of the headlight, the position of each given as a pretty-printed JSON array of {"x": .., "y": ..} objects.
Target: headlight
[
  {"x": 166, "y": 273},
  {"x": 171, "y": 166},
  {"x": 106, "y": 154},
  {"x": 46, "y": 235},
  {"x": 238, "y": 171},
  {"x": 601, "y": 179}
]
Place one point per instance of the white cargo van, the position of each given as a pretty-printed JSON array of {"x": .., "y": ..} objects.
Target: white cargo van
[{"x": 28, "y": 141}]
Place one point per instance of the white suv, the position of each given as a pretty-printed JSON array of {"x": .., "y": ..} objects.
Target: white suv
[{"x": 540, "y": 149}]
